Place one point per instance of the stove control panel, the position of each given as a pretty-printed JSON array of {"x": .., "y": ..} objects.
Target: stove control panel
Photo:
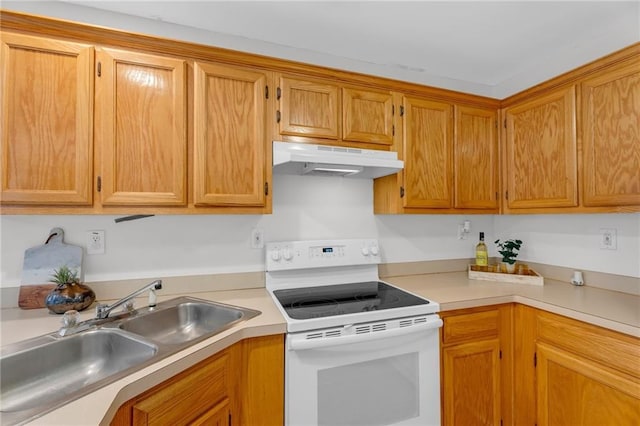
[{"x": 321, "y": 253}]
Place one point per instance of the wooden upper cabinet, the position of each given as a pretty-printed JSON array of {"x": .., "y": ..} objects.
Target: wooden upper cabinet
[
  {"x": 141, "y": 122},
  {"x": 475, "y": 158},
  {"x": 47, "y": 121},
  {"x": 611, "y": 137},
  {"x": 541, "y": 152},
  {"x": 309, "y": 108},
  {"x": 427, "y": 153},
  {"x": 229, "y": 135},
  {"x": 368, "y": 116}
]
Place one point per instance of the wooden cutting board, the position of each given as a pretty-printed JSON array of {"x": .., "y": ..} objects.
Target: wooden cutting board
[{"x": 39, "y": 264}]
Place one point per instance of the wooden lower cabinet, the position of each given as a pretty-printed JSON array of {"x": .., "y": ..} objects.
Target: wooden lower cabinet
[
  {"x": 475, "y": 366},
  {"x": 572, "y": 373},
  {"x": 241, "y": 385}
]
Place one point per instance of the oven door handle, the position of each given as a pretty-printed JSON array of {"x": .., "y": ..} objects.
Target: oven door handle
[{"x": 298, "y": 343}]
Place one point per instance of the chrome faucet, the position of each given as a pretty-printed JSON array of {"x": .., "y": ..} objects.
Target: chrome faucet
[{"x": 103, "y": 310}]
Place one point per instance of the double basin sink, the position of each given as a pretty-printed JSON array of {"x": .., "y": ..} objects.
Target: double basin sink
[{"x": 43, "y": 373}]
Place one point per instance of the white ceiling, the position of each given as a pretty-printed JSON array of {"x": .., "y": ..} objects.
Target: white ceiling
[{"x": 489, "y": 48}]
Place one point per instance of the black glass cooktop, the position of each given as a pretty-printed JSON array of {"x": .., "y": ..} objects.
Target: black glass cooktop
[{"x": 341, "y": 299}]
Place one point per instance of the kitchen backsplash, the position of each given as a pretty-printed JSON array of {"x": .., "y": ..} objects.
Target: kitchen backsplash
[{"x": 316, "y": 208}]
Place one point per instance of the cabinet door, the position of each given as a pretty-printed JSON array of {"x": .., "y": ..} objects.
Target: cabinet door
[
  {"x": 611, "y": 137},
  {"x": 541, "y": 152},
  {"x": 368, "y": 116},
  {"x": 471, "y": 383},
  {"x": 309, "y": 108},
  {"x": 141, "y": 128},
  {"x": 427, "y": 153},
  {"x": 229, "y": 163},
  {"x": 47, "y": 121},
  {"x": 572, "y": 390},
  {"x": 475, "y": 158}
]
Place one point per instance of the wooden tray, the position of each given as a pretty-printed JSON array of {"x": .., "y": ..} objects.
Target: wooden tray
[{"x": 532, "y": 276}]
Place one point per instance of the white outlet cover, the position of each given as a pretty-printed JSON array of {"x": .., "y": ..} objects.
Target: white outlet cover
[
  {"x": 95, "y": 242},
  {"x": 608, "y": 239}
]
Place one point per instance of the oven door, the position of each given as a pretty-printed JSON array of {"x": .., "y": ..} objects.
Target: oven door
[{"x": 388, "y": 377}]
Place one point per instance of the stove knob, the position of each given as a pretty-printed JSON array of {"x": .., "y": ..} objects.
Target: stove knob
[
  {"x": 365, "y": 251},
  {"x": 286, "y": 253},
  {"x": 275, "y": 255},
  {"x": 374, "y": 250}
]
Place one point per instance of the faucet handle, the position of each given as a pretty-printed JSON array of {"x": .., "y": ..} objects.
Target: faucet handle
[
  {"x": 128, "y": 306},
  {"x": 70, "y": 318}
]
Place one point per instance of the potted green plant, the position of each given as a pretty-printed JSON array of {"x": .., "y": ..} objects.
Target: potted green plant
[
  {"x": 509, "y": 250},
  {"x": 69, "y": 293}
]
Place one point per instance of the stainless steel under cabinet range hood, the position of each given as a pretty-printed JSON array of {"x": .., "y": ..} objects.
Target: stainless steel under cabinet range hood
[{"x": 323, "y": 160}]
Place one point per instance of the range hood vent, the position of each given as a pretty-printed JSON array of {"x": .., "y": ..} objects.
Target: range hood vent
[{"x": 322, "y": 160}]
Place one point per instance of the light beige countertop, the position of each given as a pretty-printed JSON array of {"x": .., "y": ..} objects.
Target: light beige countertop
[{"x": 453, "y": 290}]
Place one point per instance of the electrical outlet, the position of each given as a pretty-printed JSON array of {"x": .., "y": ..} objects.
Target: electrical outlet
[
  {"x": 257, "y": 238},
  {"x": 95, "y": 242},
  {"x": 608, "y": 239}
]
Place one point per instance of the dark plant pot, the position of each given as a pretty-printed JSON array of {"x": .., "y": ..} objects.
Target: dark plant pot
[{"x": 69, "y": 296}]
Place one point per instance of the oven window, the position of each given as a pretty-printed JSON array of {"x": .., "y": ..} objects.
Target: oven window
[{"x": 378, "y": 392}]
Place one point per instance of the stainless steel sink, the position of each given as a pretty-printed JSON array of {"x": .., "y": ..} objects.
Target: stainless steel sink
[
  {"x": 43, "y": 373},
  {"x": 185, "y": 320},
  {"x": 47, "y": 369}
]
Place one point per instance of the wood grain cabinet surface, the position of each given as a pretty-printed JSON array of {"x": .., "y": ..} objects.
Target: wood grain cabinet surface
[
  {"x": 309, "y": 108},
  {"x": 476, "y": 159},
  {"x": 367, "y": 116},
  {"x": 451, "y": 160},
  {"x": 573, "y": 373},
  {"x": 141, "y": 128},
  {"x": 241, "y": 385},
  {"x": 541, "y": 152},
  {"x": 475, "y": 366},
  {"x": 185, "y": 128},
  {"x": 610, "y": 125},
  {"x": 230, "y": 162},
  {"x": 319, "y": 111},
  {"x": 47, "y": 99}
]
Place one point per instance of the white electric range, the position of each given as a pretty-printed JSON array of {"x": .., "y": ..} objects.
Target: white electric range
[{"x": 359, "y": 351}]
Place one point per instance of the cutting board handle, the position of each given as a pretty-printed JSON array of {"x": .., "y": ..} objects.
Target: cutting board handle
[{"x": 56, "y": 235}]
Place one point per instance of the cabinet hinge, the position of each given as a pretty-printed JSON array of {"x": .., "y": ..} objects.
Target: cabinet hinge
[
  {"x": 229, "y": 419},
  {"x": 535, "y": 359},
  {"x": 500, "y": 422},
  {"x": 500, "y": 354},
  {"x": 506, "y": 195},
  {"x": 393, "y": 130},
  {"x": 266, "y": 92},
  {"x": 401, "y": 110},
  {"x": 278, "y": 93},
  {"x": 99, "y": 183},
  {"x": 266, "y": 188},
  {"x": 277, "y": 116},
  {"x": 401, "y": 191},
  {"x": 99, "y": 69},
  {"x": 505, "y": 123},
  {"x": 496, "y": 124},
  {"x": 393, "y": 109}
]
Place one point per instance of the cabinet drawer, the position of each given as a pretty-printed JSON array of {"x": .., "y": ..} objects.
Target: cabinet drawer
[
  {"x": 460, "y": 328},
  {"x": 189, "y": 397},
  {"x": 613, "y": 349}
]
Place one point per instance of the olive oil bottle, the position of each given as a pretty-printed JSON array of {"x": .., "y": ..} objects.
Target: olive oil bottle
[{"x": 482, "y": 257}]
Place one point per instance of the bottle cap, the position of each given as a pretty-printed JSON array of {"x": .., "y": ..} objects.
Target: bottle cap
[{"x": 482, "y": 236}]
